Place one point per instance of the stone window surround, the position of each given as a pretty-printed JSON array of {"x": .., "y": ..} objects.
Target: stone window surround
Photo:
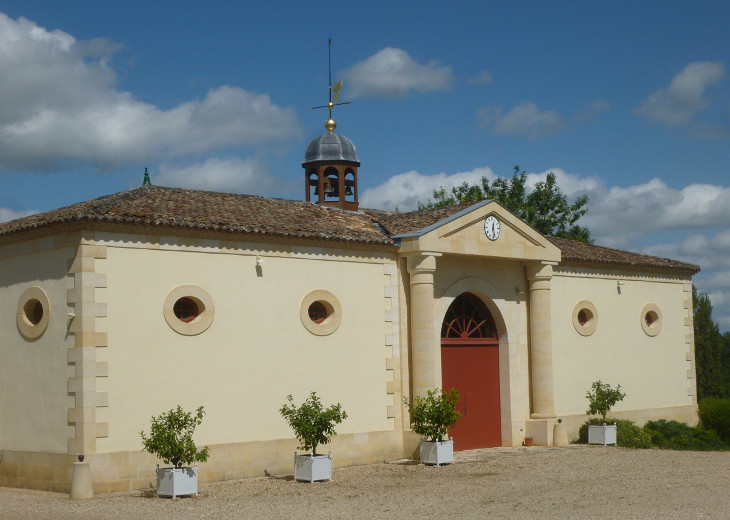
[
  {"x": 591, "y": 313},
  {"x": 656, "y": 325},
  {"x": 25, "y": 326},
  {"x": 205, "y": 305},
  {"x": 334, "y": 312}
]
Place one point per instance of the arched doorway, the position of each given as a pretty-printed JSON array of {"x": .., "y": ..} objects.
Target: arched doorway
[{"x": 470, "y": 363}]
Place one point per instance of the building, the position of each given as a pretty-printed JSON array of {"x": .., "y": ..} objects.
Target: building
[{"x": 118, "y": 308}]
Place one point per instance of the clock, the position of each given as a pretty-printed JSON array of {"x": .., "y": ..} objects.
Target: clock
[{"x": 491, "y": 227}]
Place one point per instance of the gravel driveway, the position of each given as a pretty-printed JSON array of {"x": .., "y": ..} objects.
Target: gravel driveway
[{"x": 524, "y": 483}]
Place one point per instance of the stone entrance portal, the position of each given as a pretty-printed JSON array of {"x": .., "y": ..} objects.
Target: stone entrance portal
[{"x": 470, "y": 363}]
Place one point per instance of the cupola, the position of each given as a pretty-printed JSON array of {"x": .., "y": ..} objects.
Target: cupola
[{"x": 330, "y": 166}]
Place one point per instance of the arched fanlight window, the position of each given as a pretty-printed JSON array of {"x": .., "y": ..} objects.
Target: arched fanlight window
[{"x": 468, "y": 320}]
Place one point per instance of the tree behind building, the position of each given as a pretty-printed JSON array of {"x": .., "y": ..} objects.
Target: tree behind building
[{"x": 545, "y": 208}]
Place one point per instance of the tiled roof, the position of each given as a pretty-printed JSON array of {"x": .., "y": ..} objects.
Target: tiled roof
[
  {"x": 398, "y": 223},
  {"x": 162, "y": 207},
  {"x": 203, "y": 210},
  {"x": 579, "y": 252}
]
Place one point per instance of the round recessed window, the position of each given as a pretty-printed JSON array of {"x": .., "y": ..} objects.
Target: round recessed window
[
  {"x": 320, "y": 312},
  {"x": 34, "y": 312},
  {"x": 188, "y": 310},
  {"x": 651, "y": 319},
  {"x": 585, "y": 318}
]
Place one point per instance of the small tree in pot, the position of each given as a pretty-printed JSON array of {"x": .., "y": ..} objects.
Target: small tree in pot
[
  {"x": 171, "y": 439},
  {"x": 601, "y": 398},
  {"x": 313, "y": 425},
  {"x": 432, "y": 416}
]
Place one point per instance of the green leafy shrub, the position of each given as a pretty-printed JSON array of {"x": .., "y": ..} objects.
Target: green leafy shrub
[
  {"x": 662, "y": 432},
  {"x": 628, "y": 435},
  {"x": 699, "y": 438},
  {"x": 668, "y": 435},
  {"x": 602, "y": 397},
  {"x": 171, "y": 437},
  {"x": 433, "y": 415},
  {"x": 312, "y": 424},
  {"x": 715, "y": 414}
]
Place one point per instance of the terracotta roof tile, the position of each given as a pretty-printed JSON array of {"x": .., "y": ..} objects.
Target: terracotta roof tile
[
  {"x": 572, "y": 251},
  {"x": 249, "y": 214},
  {"x": 203, "y": 210},
  {"x": 398, "y": 223}
]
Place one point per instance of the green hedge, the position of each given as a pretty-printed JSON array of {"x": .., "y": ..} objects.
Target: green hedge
[
  {"x": 628, "y": 435},
  {"x": 670, "y": 435},
  {"x": 673, "y": 435},
  {"x": 715, "y": 415}
]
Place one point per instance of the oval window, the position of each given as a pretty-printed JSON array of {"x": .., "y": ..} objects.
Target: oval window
[
  {"x": 585, "y": 318},
  {"x": 188, "y": 310},
  {"x": 651, "y": 319},
  {"x": 33, "y": 312},
  {"x": 320, "y": 312}
]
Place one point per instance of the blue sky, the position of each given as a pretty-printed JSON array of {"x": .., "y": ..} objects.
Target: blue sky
[{"x": 628, "y": 102}]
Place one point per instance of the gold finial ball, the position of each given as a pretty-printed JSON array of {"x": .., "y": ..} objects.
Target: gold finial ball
[
  {"x": 330, "y": 105},
  {"x": 330, "y": 125}
]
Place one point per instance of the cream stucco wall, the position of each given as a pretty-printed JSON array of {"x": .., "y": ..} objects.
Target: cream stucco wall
[
  {"x": 655, "y": 372},
  {"x": 34, "y": 400},
  {"x": 254, "y": 353}
]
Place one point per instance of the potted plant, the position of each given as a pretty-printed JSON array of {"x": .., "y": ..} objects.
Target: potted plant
[
  {"x": 313, "y": 425},
  {"x": 601, "y": 399},
  {"x": 171, "y": 439},
  {"x": 432, "y": 416}
]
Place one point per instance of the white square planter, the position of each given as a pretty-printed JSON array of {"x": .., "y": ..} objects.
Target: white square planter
[
  {"x": 602, "y": 434},
  {"x": 311, "y": 468},
  {"x": 437, "y": 452},
  {"x": 175, "y": 482}
]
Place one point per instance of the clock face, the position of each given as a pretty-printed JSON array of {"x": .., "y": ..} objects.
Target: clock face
[{"x": 491, "y": 227}]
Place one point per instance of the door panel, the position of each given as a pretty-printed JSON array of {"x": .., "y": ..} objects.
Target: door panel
[{"x": 474, "y": 371}]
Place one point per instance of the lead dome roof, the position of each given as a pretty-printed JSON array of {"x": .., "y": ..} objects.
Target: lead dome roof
[{"x": 331, "y": 147}]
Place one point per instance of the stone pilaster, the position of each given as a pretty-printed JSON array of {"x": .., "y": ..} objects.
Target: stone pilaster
[
  {"x": 394, "y": 385},
  {"x": 689, "y": 338},
  {"x": 83, "y": 355},
  {"x": 425, "y": 351},
  {"x": 541, "y": 346}
]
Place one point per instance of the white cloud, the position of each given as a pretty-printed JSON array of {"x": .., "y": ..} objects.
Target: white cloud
[
  {"x": 405, "y": 190},
  {"x": 720, "y": 280},
  {"x": 570, "y": 184},
  {"x": 393, "y": 73},
  {"x": 7, "y": 214},
  {"x": 524, "y": 119},
  {"x": 620, "y": 214},
  {"x": 712, "y": 254},
  {"x": 484, "y": 78},
  {"x": 60, "y": 106},
  {"x": 231, "y": 175},
  {"x": 684, "y": 96}
]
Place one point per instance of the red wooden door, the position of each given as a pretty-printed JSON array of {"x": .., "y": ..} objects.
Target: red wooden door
[{"x": 470, "y": 363}]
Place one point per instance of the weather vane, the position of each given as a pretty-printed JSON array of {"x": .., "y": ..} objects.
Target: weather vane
[{"x": 334, "y": 93}]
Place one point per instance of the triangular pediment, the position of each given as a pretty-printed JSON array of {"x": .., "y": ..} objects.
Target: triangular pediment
[{"x": 464, "y": 234}]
